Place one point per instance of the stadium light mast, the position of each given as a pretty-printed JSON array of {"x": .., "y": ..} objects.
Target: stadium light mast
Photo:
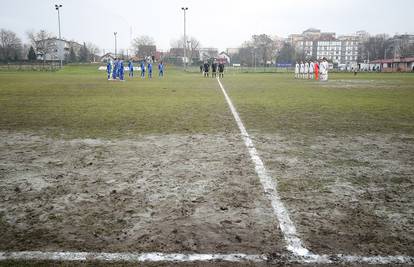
[
  {"x": 190, "y": 46},
  {"x": 57, "y": 7},
  {"x": 115, "y": 33},
  {"x": 185, "y": 38}
]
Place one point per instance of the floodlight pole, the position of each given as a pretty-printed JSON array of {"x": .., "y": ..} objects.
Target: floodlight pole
[
  {"x": 57, "y": 7},
  {"x": 189, "y": 44},
  {"x": 115, "y": 33},
  {"x": 185, "y": 38}
]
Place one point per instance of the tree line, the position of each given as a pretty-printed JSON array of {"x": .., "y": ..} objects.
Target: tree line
[
  {"x": 13, "y": 49},
  {"x": 262, "y": 49}
]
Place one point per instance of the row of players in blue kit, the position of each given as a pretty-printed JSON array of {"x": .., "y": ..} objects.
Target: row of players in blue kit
[{"x": 116, "y": 69}]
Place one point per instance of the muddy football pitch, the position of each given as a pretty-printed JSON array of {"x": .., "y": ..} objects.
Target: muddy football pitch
[{"x": 255, "y": 169}]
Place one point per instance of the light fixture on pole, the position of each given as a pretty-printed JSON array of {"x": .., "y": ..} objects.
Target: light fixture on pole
[
  {"x": 115, "y": 33},
  {"x": 57, "y": 7},
  {"x": 185, "y": 39}
]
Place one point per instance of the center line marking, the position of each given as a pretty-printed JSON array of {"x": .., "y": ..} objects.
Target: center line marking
[{"x": 294, "y": 244}]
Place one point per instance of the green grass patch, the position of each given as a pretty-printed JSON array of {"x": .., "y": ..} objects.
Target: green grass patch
[
  {"x": 345, "y": 104},
  {"x": 79, "y": 102}
]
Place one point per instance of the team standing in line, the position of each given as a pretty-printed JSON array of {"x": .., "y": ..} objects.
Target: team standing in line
[
  {"x": 317, "y": 70},
  {"x": 115, "y": 70},
  {"x": 310, "y": 70},
  {"x": 205, "y": 69}
]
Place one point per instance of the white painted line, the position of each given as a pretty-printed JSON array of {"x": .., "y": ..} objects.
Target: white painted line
[
  {"x": 179, "y": 257},
  {"x": 128, "y": 257},
  {"x": 376, "y": 259},
  {"x": 288, "y": 229},
  {"x": 294, "y": 244}
]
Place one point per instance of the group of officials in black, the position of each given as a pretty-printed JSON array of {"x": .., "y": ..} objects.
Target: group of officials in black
[{"x": 205, "y": 69}]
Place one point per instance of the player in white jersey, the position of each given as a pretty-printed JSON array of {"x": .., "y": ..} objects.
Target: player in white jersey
[
  {"x": 325, "y": 62},
  {"x": 297, "y": 70},
  {"x": 321, "y": 70},
  {"x": 302, "y": 69},
  {"x": 324, "y": 66},
  {"x": 311, "y": 70},
  {"x": 306, "y": 75}
]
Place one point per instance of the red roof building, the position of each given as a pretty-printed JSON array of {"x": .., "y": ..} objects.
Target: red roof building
[{"x": 396, "y": 65}]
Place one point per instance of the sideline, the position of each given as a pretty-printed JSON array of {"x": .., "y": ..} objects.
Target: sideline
[{"x": 128, "y": 257}]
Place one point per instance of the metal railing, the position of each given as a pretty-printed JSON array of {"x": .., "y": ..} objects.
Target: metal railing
[{"x": 30, "y": 66}]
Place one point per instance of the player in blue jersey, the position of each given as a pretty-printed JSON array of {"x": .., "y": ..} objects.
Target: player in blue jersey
[
  {"x": 108, "y": 69},
  {"x": 149, "y": 69},
  {"x": 115, "y": 69},
  {"x": 131, "y": 69},
  {"x": 121, "y": 70},
  {"x": 142, "y": 69},
  {"x": 161, "y": 69}
]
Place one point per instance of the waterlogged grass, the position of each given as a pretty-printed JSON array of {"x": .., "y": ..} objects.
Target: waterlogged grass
[
  {"x": 345, "y": 104},
  {"x": 79, "y": 102}
]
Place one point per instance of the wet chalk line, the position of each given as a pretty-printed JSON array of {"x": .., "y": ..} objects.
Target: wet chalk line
[
  {"x": 300, "y": 254},
  {"x": 293, "y": 242},
  {"x": 129, "y": 257},
  {"x": 181, "y": 257}
]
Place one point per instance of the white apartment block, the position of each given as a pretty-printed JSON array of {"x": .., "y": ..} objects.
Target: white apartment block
[
  {"x": 330, "y": 50},
  {"x": 314, "y": 44},
  {"x": 305, "y": 47},
  {"x": 55, "y": 48}
]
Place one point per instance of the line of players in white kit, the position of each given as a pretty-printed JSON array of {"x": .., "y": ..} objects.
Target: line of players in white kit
[{"x": 317, "y": 70}]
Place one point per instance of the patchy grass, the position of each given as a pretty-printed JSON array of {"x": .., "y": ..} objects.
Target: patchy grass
[
  {"x": 346, "y": 104},
  {"x": 342, "y": 153},
  {"x": 79, "y": 102}
]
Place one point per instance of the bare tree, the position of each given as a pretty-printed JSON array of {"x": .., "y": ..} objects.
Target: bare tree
[
  {"x": 375, "y": 47},
  {"x": 193, "y": 45},
  {"x": 10, "y": 45},
  {"x": 177, "y": 43},
  {"x": 407, "y": 50},
  {"x": 286, "y": 54},
  {"x": 247, "y": 53},
  {"x": 402, "y": 46},
  {"x": 143, "y": 40},
  {"x": 264, "y": 46},
  {"x": 40, "y": 40},
  {"x": 93, "y": 51}
]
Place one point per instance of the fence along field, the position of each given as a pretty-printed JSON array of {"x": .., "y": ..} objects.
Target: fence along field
[{"x": 30, "y": 66}]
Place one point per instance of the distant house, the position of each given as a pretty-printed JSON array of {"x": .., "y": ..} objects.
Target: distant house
[
  {"x": 207, "y": 53},
  {"x": 176, "y": 55},
  {"x": 176, "y": 52},
  {"x": 107, "y": 57},
  {"x": 395, "y": 65},
  {"x": 55, "y": 48},
  {"x": 223, "y": 56},
  {"x": 135, "y": 59},
  {"x": 159, "y": 55},
  {"x": 232, "y": 51},
  {"x": 146, "y": 51}
]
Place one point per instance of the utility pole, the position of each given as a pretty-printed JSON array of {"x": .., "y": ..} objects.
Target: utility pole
[
  {"x": 130, "y": 41},
  {"x": 115, "y": 33},
  {"x": 190, "y": 46},
  {"x": 57, "y": 7},
  {"x": 185, "y": 38}
]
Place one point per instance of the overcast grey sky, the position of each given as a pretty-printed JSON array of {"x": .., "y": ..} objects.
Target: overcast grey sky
[{"x": 216, "y": 23}]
